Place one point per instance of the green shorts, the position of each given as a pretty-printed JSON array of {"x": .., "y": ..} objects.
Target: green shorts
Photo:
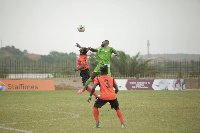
[{"x": 98, "y": 67}]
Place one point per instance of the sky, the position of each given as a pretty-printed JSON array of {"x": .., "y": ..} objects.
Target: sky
[{"x": 41, "y": 26}]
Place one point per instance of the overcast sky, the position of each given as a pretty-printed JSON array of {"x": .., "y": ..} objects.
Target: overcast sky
[{"x": 41, "y": 26}]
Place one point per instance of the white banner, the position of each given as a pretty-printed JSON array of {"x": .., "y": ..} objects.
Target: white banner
[
  {"x": 120, "y": 82},
  {"x": 169, "y": 84},
  {"x": 156, "y": 84}
]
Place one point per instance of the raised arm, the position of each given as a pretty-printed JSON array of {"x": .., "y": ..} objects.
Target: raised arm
[
  {"x": 93, "y": 50},
  {"x": 78, "y": 45},
  {"x": 116, "y": 54},
  {"x": 88, "y": 49}
]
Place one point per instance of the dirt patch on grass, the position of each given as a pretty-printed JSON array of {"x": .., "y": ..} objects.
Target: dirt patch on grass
[
  {"x": 65, "y": 83},
  {"x": 64, "y": 88}
]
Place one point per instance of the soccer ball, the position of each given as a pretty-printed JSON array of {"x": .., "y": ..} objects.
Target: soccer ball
[{"x": 81, "y": 28}]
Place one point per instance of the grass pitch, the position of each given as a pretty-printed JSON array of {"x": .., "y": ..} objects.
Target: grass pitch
[{"x": 66, "y": 111}]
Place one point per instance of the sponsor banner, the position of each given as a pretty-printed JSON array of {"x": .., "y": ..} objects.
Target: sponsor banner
[
  {"x": 26, "y": 85},
  {"x": 139, "y": 84},
  {"x": 121, "y": 83},
  {"x": 152, "y": 84},
  {"x": 169, "y": 84}
]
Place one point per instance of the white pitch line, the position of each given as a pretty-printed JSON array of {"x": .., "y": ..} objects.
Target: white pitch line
[
  {"x": 37, "y": 121},
  {"x": 74, "y": 116},
  {"x": 50, "y": 111},
  {"x": 15, "y": 129}
]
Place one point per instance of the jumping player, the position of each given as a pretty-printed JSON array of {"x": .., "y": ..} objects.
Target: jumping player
[
  {"x": 83, "y": 66},
  {"x": 104, "y": 56},
  {"x": 107, "y": 94}
]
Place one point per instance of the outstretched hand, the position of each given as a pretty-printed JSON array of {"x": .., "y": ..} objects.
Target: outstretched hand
[
  {"x": 75, "y": 69},
  {"x": 89, "y": 99},
  {"x": 78, "y": 45},
  {"x": 117, "y": 55},
  {"x": 88, "y": 49}
]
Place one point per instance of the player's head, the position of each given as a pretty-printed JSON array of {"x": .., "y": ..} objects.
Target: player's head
[
  {"x": 105, "y": 43},
  {"x": 104, "y": 70},
  {"x": 83, "y": 51}
]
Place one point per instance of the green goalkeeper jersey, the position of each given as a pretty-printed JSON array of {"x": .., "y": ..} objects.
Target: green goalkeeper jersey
[{"x": 104, "y": 54}]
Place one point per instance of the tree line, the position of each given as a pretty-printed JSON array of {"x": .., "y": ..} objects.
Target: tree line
[{"x": 15, "y": 61}]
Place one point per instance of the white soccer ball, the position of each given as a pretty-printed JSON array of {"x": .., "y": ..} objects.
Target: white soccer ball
[{"x": 81, "y": 28}]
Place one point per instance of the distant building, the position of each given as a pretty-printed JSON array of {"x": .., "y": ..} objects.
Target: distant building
[
  {"x": 158, "y": 60},
  {"x": 162, "y": 61},
  {"x": 29, "y": 76}
]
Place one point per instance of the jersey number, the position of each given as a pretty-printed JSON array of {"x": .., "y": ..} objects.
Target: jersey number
[{"x": 108, "y": 85}]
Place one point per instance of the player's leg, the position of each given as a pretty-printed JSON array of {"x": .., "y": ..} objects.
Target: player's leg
[
  {"x": 89, "y": 80},
  {"x": 114, "y": 104},
  {"x": 94, "y": 74},
  {"x": 176, "y": 82},
  {"x": 84, "y": 78},
  {"x": 180, "y": 82},
  {"x": 96, "y": 114},
  {"x": 85, "y": 74},
  {"x": 89, "y": 90},
  {"x": 98, "y": 104},
  {"x": 119, "y": 114},
  {"x": 109, "y": 72},
  {"x": 183, "y": 83}
]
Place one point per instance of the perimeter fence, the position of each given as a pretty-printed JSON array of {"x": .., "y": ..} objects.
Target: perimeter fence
[{"x": 16, "y": 69}]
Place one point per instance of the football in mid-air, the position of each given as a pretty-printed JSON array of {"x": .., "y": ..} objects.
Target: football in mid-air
[{"x": 81, "y": 28}]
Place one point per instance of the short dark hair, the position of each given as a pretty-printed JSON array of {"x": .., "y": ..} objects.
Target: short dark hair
[
  {"x": 107, "y": 41},
  {"x": 104, "y": 69},
  {"x": 84, "y": 51}
]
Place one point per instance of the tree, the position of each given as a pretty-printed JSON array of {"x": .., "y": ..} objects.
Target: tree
[
  {"x": 92, "y": 61},
  {"x": 127, "y": 66},
  {"x": 4, "y": 73},
  {"x": 25, "y": 51}
]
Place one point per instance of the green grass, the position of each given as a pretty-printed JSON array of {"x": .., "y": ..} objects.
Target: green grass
[{"x": 143, "y": 111}]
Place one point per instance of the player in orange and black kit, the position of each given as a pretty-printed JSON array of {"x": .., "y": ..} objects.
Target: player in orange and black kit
[
  {"x": 83, "y": 66},
  {"x": 107, "y": 94}
]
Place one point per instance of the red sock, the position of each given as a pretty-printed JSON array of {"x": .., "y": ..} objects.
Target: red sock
[
  {"x": 89, "y": 90},
  {"x": 96, "y": 113},
  {"x": 119, "y": 114}
]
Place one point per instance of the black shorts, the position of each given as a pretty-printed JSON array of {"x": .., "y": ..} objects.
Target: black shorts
[
  {"x": 85, "y": 74},
  {"x": 99, "y": 103}
]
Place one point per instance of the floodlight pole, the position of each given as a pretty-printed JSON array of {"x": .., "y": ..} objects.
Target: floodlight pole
[{"x": 148, "y": 52}]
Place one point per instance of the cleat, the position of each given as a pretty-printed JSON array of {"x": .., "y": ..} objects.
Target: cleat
[
  {"x": 108, "y": 103},
  {"x": 80, "y": 91},
  {"x": 98, "y": 125},
  {"x": 123, "y": 125}
]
